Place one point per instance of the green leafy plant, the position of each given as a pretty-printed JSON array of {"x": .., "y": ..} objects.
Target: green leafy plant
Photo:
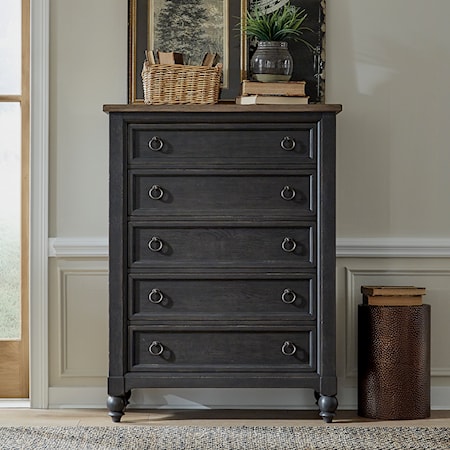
[{"x": 283, "y": 24}]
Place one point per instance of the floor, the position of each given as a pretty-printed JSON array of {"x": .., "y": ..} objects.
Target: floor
[{"x": 99, "y": 417}]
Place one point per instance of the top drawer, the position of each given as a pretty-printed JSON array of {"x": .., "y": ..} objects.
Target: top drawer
[{"x": 221, "y": 144}]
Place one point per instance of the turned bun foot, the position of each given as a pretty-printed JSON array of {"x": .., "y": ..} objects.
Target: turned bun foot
[
  {"x": 327, "y": 407},
  {"x": 116, "y": 406}
]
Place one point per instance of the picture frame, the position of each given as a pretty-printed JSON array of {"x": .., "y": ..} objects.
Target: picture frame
[
  {"x": 309, "y": 65},
  {"x": 143, "y": 35}
]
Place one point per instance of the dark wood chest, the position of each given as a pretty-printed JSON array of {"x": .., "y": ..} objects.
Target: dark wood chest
[{"x": 222, "y": 249}]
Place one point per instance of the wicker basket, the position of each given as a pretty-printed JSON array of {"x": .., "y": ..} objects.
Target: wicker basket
[{"x": 176, "y": 84}]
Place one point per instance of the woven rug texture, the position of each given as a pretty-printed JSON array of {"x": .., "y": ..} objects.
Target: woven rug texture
[{"x": 224, "y": 438}]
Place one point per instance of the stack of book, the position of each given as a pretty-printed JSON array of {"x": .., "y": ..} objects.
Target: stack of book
[
  {"x": 392, "y": 295},
  {"x": 278, "y": 93}
]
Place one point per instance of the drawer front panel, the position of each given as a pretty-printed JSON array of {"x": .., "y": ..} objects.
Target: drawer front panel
[
  {"x": 201, "y": 246},
  {"x": 160, "y": 144},
  {"x": 217, "y": 299},
  {"x": 221, "y": 350},
  {"x": 222, "y": 195}
]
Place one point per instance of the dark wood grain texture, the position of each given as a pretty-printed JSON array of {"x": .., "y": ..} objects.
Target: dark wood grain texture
[
  {"x": 222, "y": 249},
  {"x": 219, "y": 299}
]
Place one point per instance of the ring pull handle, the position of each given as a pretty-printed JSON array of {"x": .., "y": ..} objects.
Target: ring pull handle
[
  {"x": 288, "y": 143},
  {"x": 156, "y": 348},
  {"x": 156, "y": 144},
  {"x": 156, "y": 192},
  {"x": 155, "y": 244},
  {"x": 288, "y": 245},
  {"x": 288, "y": 193},
  {"x": 288, "y": 296},
  {"x": 156, "y": 296},
  {"x": 288, "y": 348}
]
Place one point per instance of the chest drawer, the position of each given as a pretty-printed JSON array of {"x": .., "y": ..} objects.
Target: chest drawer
[
  {"x": 226, "y": 351},
  {"x": 164, "y": 144},
  {"x": 219, "y": 246},
  {"x": 218, "y": 195},
  {"x": 153, "y": 298}
]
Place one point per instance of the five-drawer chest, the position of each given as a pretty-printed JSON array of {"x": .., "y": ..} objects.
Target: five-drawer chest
[{"x": 222, "y": 249}]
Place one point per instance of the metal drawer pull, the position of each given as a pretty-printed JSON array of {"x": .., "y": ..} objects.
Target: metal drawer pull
[
  {"x": 156, "y": 348},
  {"x": 288, "y": 245},
  {"x": 156, "y": 192},
  {"x": 288, "y": 193},
  {"x": 287, "y": 143},
  {"x": 155, "y": 244},
  {"x": 156, "y": 144},
  {"x": 156, "y": 296},
  {"x": 288, "y": 348},
  {"x": 288, "y": 296}
]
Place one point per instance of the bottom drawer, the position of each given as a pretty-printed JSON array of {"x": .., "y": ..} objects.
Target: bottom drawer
[{"x": 223, "y": 350}]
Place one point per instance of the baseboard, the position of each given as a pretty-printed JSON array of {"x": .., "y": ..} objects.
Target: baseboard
[
  {"x": 95, "y": 397},
  {"x": 77, "y": 397},
  {"x": 196, "y": 399}
]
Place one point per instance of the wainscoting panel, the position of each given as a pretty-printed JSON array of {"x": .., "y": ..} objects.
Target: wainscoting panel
[
  {"x": 82, "y": 328},
  {"x": 437, "y": 283},
  {"x": 78, "y": 325}
]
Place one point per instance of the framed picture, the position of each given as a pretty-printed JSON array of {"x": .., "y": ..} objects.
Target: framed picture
[
  {"x": 309, "y": 65},
  {"x": 191, "y": 27},
  {"x": 194, "y": 27}
]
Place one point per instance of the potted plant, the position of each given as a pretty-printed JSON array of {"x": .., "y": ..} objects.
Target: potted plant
[{"x": 272, "y": 29}]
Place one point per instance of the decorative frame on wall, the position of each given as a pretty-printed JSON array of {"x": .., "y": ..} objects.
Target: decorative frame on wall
[
  {"x": 308, "y": 66},
  {"x": 143, "y": 24}
]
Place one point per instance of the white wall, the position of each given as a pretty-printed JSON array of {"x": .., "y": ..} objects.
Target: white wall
[
  {"x": 88, "y": 68},
  {"x": 388, "y": 63}
]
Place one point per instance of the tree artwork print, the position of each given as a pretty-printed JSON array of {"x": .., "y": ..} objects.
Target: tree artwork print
[{"x": 192, "y": 27}]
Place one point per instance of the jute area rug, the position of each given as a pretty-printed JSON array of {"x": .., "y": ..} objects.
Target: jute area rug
[{"x": 224, "y": 438}]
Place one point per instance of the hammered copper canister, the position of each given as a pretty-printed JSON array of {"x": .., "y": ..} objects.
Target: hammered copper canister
[{"x": 394, "y": 362}]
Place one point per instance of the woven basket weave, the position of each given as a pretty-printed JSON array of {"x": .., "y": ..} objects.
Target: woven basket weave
[{"x": 176, "y": 84}]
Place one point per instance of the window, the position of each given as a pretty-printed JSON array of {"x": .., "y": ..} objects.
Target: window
[{"x": 14, "y": 193}]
